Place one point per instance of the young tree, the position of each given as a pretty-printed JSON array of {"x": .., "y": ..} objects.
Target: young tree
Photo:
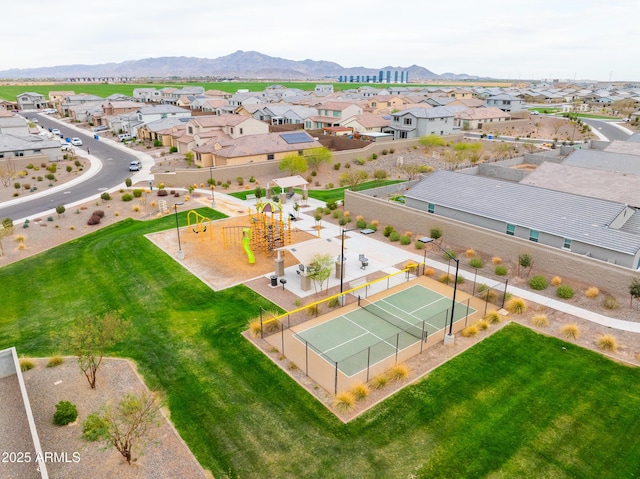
[
  {"x": 128, "y": 182},
  {"x": 352, "y": 178},
  {"x": 380, "y": 175},
  {"x": 7, "y": 172},
  {"x": 634, "y": 289},
  {"x": 316, "y": 156},
  {"x": 432, "y": 141},
  {"x": 412, "y": 170},
  {"x": 293, "y": 164},
  {"x": 525, "y": 260},
  {"x": 60, "y": 209},
  {"x": 90, "y": 339},
  {"x": 131, "y": 423},
  {"x": 321, "y": 269}
]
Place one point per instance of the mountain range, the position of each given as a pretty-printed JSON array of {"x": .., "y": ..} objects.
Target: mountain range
[{"x": 245, "y": 65}]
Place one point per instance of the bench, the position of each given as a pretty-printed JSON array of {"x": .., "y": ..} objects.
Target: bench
[{"x": 250, "y": 196}]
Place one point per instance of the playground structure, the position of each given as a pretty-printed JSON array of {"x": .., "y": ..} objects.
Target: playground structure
[
  {"x": 200, "y": 224},
  {"x": 268, "y": 230}
]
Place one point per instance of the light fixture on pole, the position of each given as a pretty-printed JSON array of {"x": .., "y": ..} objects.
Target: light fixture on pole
[
  {"x": 342, "y": 259},
  {"x": 425, "y": 239},
  {"x": 180, "y": 252},
  {"x": 211, "y": 185}
]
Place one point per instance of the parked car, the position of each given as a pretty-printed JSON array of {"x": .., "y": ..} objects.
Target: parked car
[
  {"x": 55, "y": 131},
  {"x": 135, "y": 165},
  {"x": 76, "y": 141},
  {"x": 124, "y": 136},
  {"x": 535, "y": 112},
  {"x": 66, "y": 147},
  {"x": 101, "y": 128},
  {"x": 34, "y": 120}
]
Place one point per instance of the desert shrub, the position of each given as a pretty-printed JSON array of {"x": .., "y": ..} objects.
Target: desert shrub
[
  {"x": 398, "y": 372},
  {"x": 105, "y": 196},
  {"x": 482, "y": 325},
  {"x": 516, "y": 305},
  {"x": 373, "y": 225},
  {"x": 470, "y": 253},
  {"x": 394, "y": 236},
  {"x": 501, "y": 270},
  {"x": 254, "y": 328},
  {"x": 592, "y": 292},
  {"x": 162, "y": 193},
  {"x": 564, "y": 292},
  {"x": 26, "y": 364},
  {"x": 127, "y": 197},
  {"x": 496, "y": 260},
  {"x": 538, "y": 282},
  {"x": 54, "y": 361},
  {"x": 606, "y": 342},
  {"x": 332, "y": 205},
  {"x": 492, "y": 316},
  {"x": 360, "y": 391},
  {"x": 388, "y": 230},
  {"x": 94, "y": 427},
  {"x": 419, "y": 245},
  {"x": 337, "y": 214},
  {"x": 405, "y": 240},
  {"x": 313, "y": 310},
  {"x": 476, "y": 262},
  {"x": 93, "y": 220},
  {"x": 65, "y": 413},
  {"x": 445, "y": 278},
  {"x": 99, "y": 213},
  {"x": 173, "y": 149},
  {"x": 336, "y": 166},
  {"x": 429, "y": 272},
  {"x": 359, "y": 161},
  {"x": 379, "y": 381},
  {"x": 610, "y": 303},
  {"x": 361, "y": 223},
  {"x": 570, "y": 331},
  {"x": 271, "y": 326},
  {"x": 137, "y": 193},
  {"x": 540, "y": 320},
  {"x": 435, "y": 233},
  {"x": 470, "y": 331},
  {"x": 344, "y": 401},
  {"x": 556, "y": 280},
  {"x": 334, "y": 302}
]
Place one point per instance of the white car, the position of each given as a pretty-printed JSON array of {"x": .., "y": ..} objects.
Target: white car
[
  {"x": 76, "y": 141},
  {"x": 57, "y": 132},
  {"x": 66, "y": 147}
]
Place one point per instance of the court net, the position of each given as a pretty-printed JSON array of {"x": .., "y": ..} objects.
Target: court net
[{"x": 406, "y": 326}]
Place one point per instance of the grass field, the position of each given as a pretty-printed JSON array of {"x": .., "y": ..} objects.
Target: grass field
[
  {"x": 327, "y": 195},
  {"x": 10, "y": 92},
  {"x": 515, "y": 405}
]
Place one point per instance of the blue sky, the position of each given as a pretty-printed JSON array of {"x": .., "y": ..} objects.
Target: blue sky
[{"x": 563, "y": 39}]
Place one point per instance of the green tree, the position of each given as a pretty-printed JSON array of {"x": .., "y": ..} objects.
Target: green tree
[
  {"x": 293, "y": 164},
  {"x": 128, "y": 182},
  {"x": 90, "y": 339},
  {"x": 60, "y": 209},
  {"x": 189, "y": 157},
  {"x": 321, "y": 269},
  {"x": 132, "y": 423},
  {"x": 431, "y": 141},
  {"x": 410, "y": 170},
  {"x": 353, "y": 178},
  {"x": 525, "y": 260},
  {"x": 380, "y": 175},
  {"x": 634, "y": 289},
  {"x": 316, "y": 156}
]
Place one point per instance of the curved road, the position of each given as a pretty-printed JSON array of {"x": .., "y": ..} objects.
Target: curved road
[
  {"x": 607, "y": 129},
  {"x": 112, "y": 163}
]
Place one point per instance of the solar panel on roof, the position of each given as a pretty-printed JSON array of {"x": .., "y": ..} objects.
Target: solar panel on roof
[{"x": 293, "y": 138}]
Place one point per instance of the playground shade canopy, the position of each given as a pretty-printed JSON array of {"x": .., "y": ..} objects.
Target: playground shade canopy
[
  {"x": 290, "y": 182},
  {"x": 305, "y": 251}
]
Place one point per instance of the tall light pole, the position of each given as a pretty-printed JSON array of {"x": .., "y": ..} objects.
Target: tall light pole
[
  {"x": 342, "y": 261},
  {"x": 180, "y": 252},
  {"x": 213, "y": 201},
  {"x": 425, "y": 239}
]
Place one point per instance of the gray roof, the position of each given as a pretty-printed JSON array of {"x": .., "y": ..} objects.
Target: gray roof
[
  {"x": 604, "y": 160},
  {"x": 169, "y": 122},
  {"x": 436, "y": 112},
  {"x": 566, "y": 215},
  {"x": 160, "y": 109},
  {"x": 32, "y": 142}
]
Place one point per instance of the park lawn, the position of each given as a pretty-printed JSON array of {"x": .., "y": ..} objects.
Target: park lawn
[
  {"x": 515, "y": 405},
  {"x": 334, "y": 194}
]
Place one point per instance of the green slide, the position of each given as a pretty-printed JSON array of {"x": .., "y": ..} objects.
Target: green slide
[{"x": 246, "y": 244}]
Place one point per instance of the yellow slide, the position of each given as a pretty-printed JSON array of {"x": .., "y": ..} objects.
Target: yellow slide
[{"x": 246, "y": 244}]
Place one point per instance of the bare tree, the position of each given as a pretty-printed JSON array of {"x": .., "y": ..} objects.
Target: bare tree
[
  {"x": 353, "y": 178},
  {"x": 556, "y": 124},
  {"x": 91, "y": 338},
  {"x": 7, "y": 172},
  {"x": 131, "y": 423}
]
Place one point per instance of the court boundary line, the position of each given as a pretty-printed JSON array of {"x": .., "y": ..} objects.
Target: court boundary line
[{"x": 403, "y": 320}]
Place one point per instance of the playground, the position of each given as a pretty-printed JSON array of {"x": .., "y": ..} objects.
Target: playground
[{"x": 206, "y": 257}]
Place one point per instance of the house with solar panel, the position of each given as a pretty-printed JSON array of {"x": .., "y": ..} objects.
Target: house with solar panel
[
  {"x": 253, "y": 148},
  {"x": 598, "y": 228}
]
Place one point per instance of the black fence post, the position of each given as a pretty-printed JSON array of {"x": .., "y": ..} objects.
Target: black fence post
[
  {"x": 261, "y": 326},
  {"x": 504, "y": 294},
  {"x": 397, "y": 346},
  {"x": 336, "y": 380}
]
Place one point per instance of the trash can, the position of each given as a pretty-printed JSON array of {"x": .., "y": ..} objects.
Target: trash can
[
  {"x": 274, "y": 280},
  {"x": 96, "y": 137}
]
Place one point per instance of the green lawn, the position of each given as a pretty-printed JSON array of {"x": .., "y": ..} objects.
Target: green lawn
[
  {"x": 516, "y": 405},
  {"x": 327, "y": 195}
]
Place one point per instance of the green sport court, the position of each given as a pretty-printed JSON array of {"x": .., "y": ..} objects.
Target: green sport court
[{"x": 378, "y": 331}]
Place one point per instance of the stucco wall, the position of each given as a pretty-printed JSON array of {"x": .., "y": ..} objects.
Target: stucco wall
[{"x": 606, "y": 276}]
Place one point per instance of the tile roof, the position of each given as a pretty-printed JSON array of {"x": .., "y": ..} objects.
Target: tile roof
[{"x": 566, "y": 215}]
